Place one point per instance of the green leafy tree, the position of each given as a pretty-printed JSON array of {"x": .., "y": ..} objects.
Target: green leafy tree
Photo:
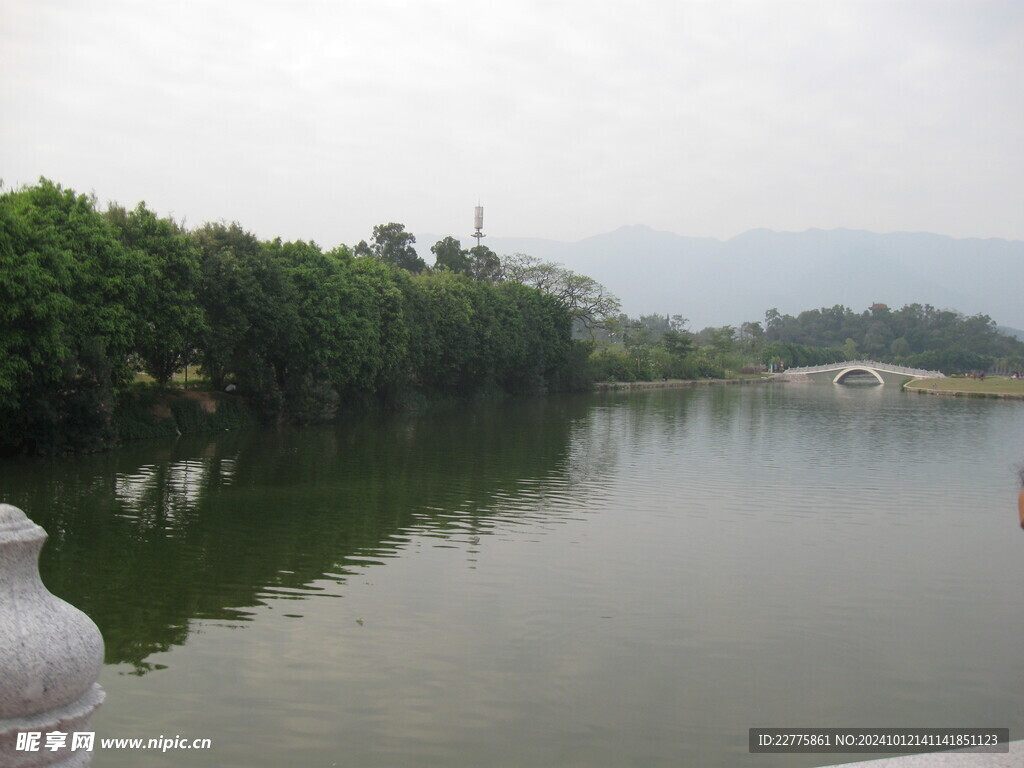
[
  {"x": 612, "y": 364},
  {"x": 169, "y": 321},
  {"x": 589, "y": 303},
  {"x": 479, "y": 262},
  {"x": 678, "y": 343},
  {"x": 484, "y": 264},
  {"x": 248, "y": 318},
  {"x": 392, "y": 245},
  {"x": 877, "y": 339},
  {"x": 378, "y": 335},
  {"x": 449, "y": 254},
  {"x": 68, "y": 292},
  {"x": 346, "y": 337},
  {"x": 752, "y": 338},
  {"x": 721, "y": 340},
  {"x": 900, "y": 348},
  {"x": 850, "y": 349}
]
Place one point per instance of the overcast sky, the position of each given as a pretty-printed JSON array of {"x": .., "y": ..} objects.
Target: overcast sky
[{"x": 317, "y": 120}]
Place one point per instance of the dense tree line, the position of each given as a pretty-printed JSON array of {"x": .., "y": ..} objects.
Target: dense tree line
[
  {"x": 88, "y": 298},
  {"x": 917, "y": 335},
  {"x": 654, "y": 347}
]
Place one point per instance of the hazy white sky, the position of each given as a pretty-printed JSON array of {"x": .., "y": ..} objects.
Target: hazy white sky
[{"x": 317, "y": 120}]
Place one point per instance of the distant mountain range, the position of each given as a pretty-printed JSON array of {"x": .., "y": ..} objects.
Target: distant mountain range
[{"x": 715, "y": 282}]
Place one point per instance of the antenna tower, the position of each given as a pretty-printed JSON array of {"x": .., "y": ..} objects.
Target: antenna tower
[{"x": 478, "y": 223}]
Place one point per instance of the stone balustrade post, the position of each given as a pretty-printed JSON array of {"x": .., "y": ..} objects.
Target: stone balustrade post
[{"x": 51, "y": 655}]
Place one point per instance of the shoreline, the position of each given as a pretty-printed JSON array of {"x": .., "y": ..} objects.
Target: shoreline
[
  {"x": 612, "y": 386},
  {"x": 982, "y": 394}
]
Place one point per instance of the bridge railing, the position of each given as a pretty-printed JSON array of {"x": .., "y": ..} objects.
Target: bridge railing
[{"x": 918, "y": 372}]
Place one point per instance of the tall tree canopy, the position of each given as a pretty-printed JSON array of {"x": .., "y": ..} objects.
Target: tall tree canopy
[
  {"x": 392, "y": 245},
  {"x": 588, "y": 302},
  {"x": 170, "y": 322},
  {"x": 68, "y": 297},
  {"x": 479, "y": 262},
  {"x": 449, "y": 254}
]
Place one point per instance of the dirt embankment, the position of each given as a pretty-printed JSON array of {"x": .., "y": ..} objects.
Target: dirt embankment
[{"x": 167, "y": 412}]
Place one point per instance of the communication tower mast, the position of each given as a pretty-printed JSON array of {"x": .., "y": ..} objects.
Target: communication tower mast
[{"x": 478, "y": 223}]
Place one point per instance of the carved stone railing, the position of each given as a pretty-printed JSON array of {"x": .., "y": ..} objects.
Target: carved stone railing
[
  {"x": 884, "y": 367},
  {"x": 51, "y": 655}
]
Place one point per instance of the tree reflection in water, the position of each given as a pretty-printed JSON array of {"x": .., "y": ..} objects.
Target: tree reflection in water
[{"x": 156, "y": 535}]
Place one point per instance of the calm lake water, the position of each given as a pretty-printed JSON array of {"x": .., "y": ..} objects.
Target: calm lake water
[{"x": 627, "y": 579}]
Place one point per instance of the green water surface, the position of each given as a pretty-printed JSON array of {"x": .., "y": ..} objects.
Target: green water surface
[{"x": 627, "y": 579}]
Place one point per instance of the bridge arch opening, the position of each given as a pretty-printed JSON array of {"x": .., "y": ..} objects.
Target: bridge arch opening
[{"x": 848, "y": 372}]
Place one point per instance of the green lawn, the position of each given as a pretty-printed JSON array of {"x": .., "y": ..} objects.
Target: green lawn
[{"x": 990, "y": 385}]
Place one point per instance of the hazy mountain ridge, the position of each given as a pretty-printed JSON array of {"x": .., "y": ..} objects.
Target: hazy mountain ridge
[
  {"x": 716, "y": 282},
  {"x": 1017, "y": 333}
]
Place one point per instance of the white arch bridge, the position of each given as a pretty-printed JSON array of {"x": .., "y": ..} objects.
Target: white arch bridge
[{"x": 837, "y": 373}]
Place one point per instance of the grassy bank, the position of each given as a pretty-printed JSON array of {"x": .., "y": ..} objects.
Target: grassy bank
[{"x": 992, "y": 386}]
